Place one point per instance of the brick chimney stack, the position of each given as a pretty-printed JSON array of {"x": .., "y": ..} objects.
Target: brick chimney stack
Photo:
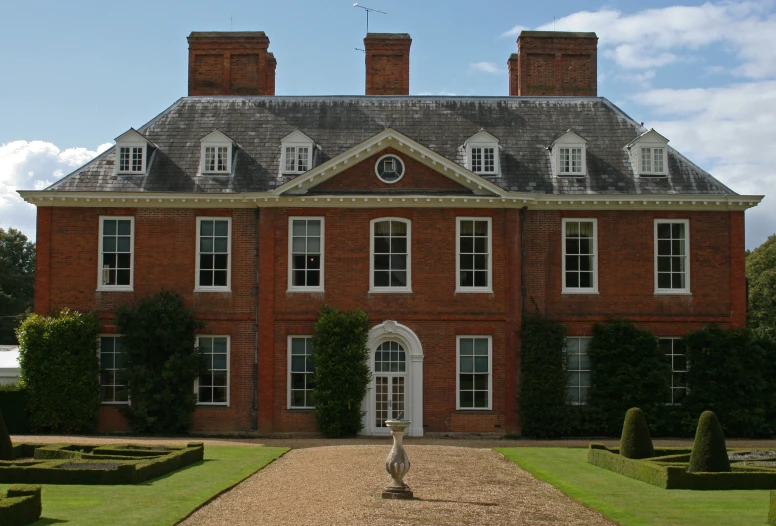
[
  {"x": 550, "y": 63},
  {"x": 387, "y": 63},
  {"x": 230, "y": 63}
]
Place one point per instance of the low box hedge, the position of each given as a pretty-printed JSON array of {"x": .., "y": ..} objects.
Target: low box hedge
[
  {"x": 21, "y": 506},
  {"x": 668, "y": 473},
  {"x": 66, "y": 464}
]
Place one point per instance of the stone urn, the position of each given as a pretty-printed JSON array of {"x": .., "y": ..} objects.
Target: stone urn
[{"x": 397, "y": 464}]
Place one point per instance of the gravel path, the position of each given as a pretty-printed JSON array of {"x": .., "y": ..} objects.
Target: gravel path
[{"x": 342, "y": 485}]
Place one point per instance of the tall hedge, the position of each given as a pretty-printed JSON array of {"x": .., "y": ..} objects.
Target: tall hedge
[
  {"x": 628, "y": 371},
  {"x": 733, "y": 373},
  {"x": 59, "y": 366},
  {"x": 709, "y": 452},
  {"x": 543, "y": 378},
  {"x": 342, "y": 374},
  {"x": 162, "y": 361}
]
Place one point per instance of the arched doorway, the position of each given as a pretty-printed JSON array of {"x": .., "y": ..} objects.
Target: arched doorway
[{"x": 396, "y": 390}]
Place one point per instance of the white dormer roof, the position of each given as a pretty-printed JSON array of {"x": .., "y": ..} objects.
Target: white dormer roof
[
  {"x": 648, "y": 137},
  {"x": 296, "y": 136},
  {"x": 481, "y": 137},
  {"x": 570, "y": 137},
  {"x": 217, "y": 136},
  {"x": 132, "y": 136}
]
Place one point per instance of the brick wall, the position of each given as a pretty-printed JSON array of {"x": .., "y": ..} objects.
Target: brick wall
[
  {"x": 387, "y": 57},
  {"x": 554, "y": 64},
  {"x": 362, "y": 178}
]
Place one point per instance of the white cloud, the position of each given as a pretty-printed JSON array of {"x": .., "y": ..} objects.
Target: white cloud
[
  {"x": 513, "y": 32},
  {"x": 658, "y": 37},
  {"x": 642, "y": 79},
  {"x": 729, "y": 131},
  {"x": 485, "y": 67},
  {"x": 27, "y": 165}
]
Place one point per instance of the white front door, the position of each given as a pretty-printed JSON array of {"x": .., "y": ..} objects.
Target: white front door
[{"x": 390, "y": 385}]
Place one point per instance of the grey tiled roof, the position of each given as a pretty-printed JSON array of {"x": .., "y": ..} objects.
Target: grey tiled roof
[{"x": 525, "y": 126}]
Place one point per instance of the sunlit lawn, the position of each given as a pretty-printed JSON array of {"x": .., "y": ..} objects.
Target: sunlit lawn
[
  {"x": 631, "y": 502},
  {"x": 162, "y": 501}
]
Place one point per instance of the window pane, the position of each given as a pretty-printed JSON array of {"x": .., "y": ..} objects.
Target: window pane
[
  {"x": 467, "y": 399},
  {"x": 480, "y": 399}
]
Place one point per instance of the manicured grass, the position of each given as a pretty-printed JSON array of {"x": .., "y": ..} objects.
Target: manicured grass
[
  {"x": 630, "y": 502},
  {"x": 161, "y": 501}
]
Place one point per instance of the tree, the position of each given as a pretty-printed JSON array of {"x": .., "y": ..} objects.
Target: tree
[
  {"x": 162, "y": 362},
  {"x": 17, "y": 281},
  {"x": 761, "y": 272},
  {"x": 341, "y": 375}
]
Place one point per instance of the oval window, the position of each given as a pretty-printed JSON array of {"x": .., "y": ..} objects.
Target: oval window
[{"x": 389, "y": 168}]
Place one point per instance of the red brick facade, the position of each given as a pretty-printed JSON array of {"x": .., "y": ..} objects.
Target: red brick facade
[{"x": 387, "y": 63}]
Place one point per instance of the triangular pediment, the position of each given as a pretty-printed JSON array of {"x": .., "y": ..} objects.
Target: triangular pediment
[
  {"x": 569, "y": 137},
  {"x": 217, "y": 136},
  {"x": 361, "y": 159},
  {"x": 296, "y": 136},
  {"x": 648, "y": 137},
  {"x": 481, "y": 137}
]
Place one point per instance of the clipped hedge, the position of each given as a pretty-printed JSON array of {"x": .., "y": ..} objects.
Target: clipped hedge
[
  {"x": 636, "y": 441},
  {"x": 60, "y": 371},
  {"x": 13, "y": 405},
  {"x": 96, "y": 465},
  {"x": 543, "y": 378},
  {"x": 22, "y": 506},
  {"x": 709, "y": 452},
  {"x": 674, "y": 475}
]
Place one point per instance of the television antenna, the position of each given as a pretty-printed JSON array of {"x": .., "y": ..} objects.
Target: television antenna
[{"x": 368, "y": 10}]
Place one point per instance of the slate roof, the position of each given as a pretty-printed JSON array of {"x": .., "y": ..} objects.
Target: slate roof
[{"x": 525, "y": 126}]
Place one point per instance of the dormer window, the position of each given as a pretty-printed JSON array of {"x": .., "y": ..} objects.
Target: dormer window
[
  {"x": 296, "y": 153},
  {"x": 217, "y": 153},
  {"x": 132, "y": 153},
  {"x": 649, "y": 154},
  {"x": 482, "y": 154},
  {"x": 569, "y": 155}
]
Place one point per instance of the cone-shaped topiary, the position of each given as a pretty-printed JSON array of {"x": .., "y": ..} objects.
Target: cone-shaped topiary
[
  {"x": 636, "y": 441},
  {"x": 6, "y": 447},
  {"x": 709, "y": 453}
]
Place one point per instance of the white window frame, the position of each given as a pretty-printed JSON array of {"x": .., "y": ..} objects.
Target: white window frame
[
  {"x": 673, "y": 340},
  {"x": 580, "y": 290},
  {"x": 458, "y": 339},
  {"x": 99, "y": 356},
  {"x": 288, "y": 368},
  {"x": 568, "y": 140},
  {"x": 228, "y": 372},
  {"x": 296, "y": 139},
  {"x": 203, "y": 163},
  {"x": 131, "y": 146},
  {"x": 649, "y": 139},
  {"x": 389, "y": 289},
  {"x": 396, "y": 158},
  {"x": 686, "y": 289},
  {"x": 483, "y": 139},
  {"x": 473, "y": 289},
  {"x": 291, "y": 287},
  {"x": 213, "y": 288},
  {"x": 578, "y": 370},
  {"x": 651, "y": 171},
  {"x": 117, "y": 288}
]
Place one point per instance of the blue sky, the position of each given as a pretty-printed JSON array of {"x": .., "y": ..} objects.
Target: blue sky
[{"x": 702, "y": 73}]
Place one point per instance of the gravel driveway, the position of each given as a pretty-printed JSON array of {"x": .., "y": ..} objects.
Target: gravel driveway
[{"x": 341, "y": 485}]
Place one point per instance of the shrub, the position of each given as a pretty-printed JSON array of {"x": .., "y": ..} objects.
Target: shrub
[
  {"x": 636, "y": 441},
  {"x": 162, "y": 362},
  {"x": 59, "y": 367},
  {"x": 543, "y": 377},
  {"x": 733, "y": 373},
  {"x": 13, "y": 406},
  {"x": 342, "y": 375},
  {"x": 6, "y": 447},
  {"x": 709, "y": 453},
  {"x": 628, "y": 371},
  {"x": 23, "y": 506}
]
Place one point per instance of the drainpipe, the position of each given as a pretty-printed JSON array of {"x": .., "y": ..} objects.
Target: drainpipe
[{"x": 255, "y": 368}]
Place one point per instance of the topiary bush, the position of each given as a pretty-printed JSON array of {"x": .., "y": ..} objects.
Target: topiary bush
[
  {"x": 709, "y": 452},
  {"x": 162, "y": 362},
  {"x": 60, "y": 369},
  {"x": 342, "y": 375},
  {"x": 636, "y": 441},
  {"x": 628, "y": 371},
  {"x": 6, "y": 447},
  {"x": 543, "y": 378}
]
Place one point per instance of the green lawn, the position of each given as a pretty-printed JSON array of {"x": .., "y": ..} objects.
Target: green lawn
[
  {"x": 162, "y": 501},
  {"x": 631, "y": 502}
]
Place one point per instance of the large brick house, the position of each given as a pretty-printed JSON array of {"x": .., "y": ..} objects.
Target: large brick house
[{"x": 447, "y": 219}]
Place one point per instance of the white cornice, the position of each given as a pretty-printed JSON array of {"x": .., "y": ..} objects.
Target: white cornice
[
  {"x": 394, "y": 139},
  {"x": 508, "y": 200}
]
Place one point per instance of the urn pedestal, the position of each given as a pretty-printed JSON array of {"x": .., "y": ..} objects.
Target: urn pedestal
[{"x": 397, "y": 464}]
